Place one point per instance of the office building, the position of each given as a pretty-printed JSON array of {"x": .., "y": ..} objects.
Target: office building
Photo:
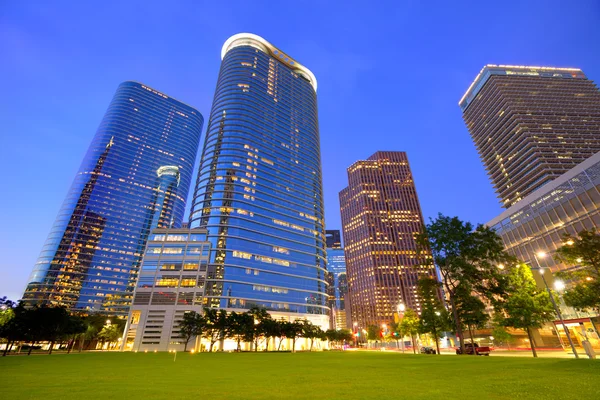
[
  {"x": 337, "y": 279},
  {"x": 259, "y": 192},
  {"x": 171, "y": 283},
  {"x": 531, "y": 124},
  {"x": 381, "y": 216},
  {"x": 532, "y": 228},
  {"x": 134, "y": 177}
]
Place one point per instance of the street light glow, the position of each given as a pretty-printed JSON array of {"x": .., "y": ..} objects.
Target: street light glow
[
  {"x": 500, "y": 266},
  {"x": 401, "y": 307},
  {"x": 541, "y": 254},
  {"x": 579, "y": 260},
  {"x": 559, "y": 285},
  {"x": 569, "y": 242},
  {"x": 542, "y": 270}
]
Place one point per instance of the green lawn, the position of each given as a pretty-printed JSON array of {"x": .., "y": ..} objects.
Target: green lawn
[{"x": 324, "y": 375}]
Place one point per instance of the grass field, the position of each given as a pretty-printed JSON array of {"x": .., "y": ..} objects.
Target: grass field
[{"x": 325, "y": 375}]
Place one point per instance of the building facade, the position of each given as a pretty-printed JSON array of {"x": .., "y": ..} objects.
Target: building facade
[
  {"x": 337, "y": 278},
  {"x": 171, "y": 282},
  {"x": 259, "y": 192},
  {"x": 531, "y": 125},
  {"x": 381, "y": 215},
  {"x": 532, "y": 228},
  {"x": 134, "y": 177}
]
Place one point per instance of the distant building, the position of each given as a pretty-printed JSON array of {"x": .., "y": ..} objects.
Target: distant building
[
  {"x": 333, "y": 239},
  {"x": 171, "y": 282},
  {"x": 338, "y": 281},
  {"x": 134, "y": 177},
  {"x": 259, "y": 191},
  {"x": 381, "y": 216},
  {"x": 531, "y": 124}
]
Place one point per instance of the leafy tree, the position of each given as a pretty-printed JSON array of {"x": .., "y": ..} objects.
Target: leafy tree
[
  {"x": 191, "y": 325},
  {"x": 396, "y": 333},
  {"x": 216, "y": 325},
  {"x": 292, "y": 330},
  {"x": 465, "y": 255},
  {"x": 435, "y": 319},
  {"x": 582, "y": 250},
  {"x": 75, "y": 328},
  {"x": 252, "y": 334},
  {"x": 269, "y": 328},
  {"x": 499, "y": 331},
  {"x": 240, "y": 324},
  {"x": 410, "y": 325},
  {"x": 471, "y": 310},
  {"x": 527, "y": 306},
  {"x": 312, "y": 332},
  {"x": 110, "y": 334},
  {"x": 52, "y": 323},
  {"x": 373, "y": 333}
]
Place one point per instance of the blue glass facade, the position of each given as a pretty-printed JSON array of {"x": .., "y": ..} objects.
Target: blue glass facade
[
  {"x": 134, "y": 177},
  {"x": 259, "y": 191}
]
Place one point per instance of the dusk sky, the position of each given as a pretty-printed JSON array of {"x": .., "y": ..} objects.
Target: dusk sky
[{"x": 390, "y": 75}]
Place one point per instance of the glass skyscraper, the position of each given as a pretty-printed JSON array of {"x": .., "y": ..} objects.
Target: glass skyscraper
[
  {"x": 259, "y": 192},
  {"x": 134, "y": 177},
  {"x": 338, "y": 281}
]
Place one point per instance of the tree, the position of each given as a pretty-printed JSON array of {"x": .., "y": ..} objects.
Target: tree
[
  {"x": 269, "y": 328},
  {"x": 397, "y": 333},
  {"x": 252, "y": 333},
  {"x": 52, "y": 323},
  {"x": 191, "y": 325},
  {"x": 110, "y": 334},
  {"x": 499, "y": 332},
  {"x": 435, "y": 319},
  {"x": 312, "y": 332},
  {"x": 410, "y": 326},
  {"x": 465, "y": 255},
  {"x": 240, "y": 324},
  {"x": 583, "y": 251},
  {"x": 216, "y": 325},
  {"x": 75, "y": 328},
  {"x": 526, "y": 307},
  {"x": 292, "y": 330},
  {"x": 373, "y": 333},
  {"x": 471, "y": 310}
]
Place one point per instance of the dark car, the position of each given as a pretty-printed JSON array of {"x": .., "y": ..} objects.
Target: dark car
[
  {"x": 479, "y": 350},
  {"x": 427, "y": 350}
]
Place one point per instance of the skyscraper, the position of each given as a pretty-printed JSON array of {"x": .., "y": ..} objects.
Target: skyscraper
[
  {"x": 134, "y": 177},
  {"x": 531, "y": 124},
  {"x": 337, "y": 279},
  {"x": 381, "y": 216},
  {"x": 259, "y": 192}
]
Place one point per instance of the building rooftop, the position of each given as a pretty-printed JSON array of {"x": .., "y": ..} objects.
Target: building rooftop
[{"x": 521, "y": 70}]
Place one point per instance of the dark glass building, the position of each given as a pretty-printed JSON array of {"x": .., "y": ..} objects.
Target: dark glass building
[
  {"x": 259, "y": 192},
  {"x": 531, "y": 125},
  {"x": 336, "y": 277},
  {"x": 381, "y": 216},
  {"x": 134, "y": 177}
]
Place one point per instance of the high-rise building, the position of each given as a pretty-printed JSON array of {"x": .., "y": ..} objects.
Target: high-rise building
[
  {"x": 337, "y": 279},
  {"x": 531, "y": 124},
  {"x": 134, "y": 177},
  {"x": 259, "y": 192},
  {"x": 381, "y": 216}
]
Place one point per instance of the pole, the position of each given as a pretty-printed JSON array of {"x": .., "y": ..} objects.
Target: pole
[{"x": 557, "y": 310}]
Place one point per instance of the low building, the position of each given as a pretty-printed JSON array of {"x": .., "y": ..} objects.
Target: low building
[
  {"x": 533, "y": 227},
  {"x": 171, "y": 283}
]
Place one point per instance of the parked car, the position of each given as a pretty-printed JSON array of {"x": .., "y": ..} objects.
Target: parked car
[
  {"x": 479, "y": 350},
  {"x": 427, "y": 350}
]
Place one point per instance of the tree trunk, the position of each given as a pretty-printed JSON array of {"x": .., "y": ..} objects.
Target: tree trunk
[
  {"x": 239, "y": 347},
  {"x": 472, "y": 341},
  {"x": 531, "y": 342},
  {"x": 457, "y": 323},
  {"x": 414, "y": 345},
  {"x": 81, "y": 343},
  {"x": 212, "y": 342},
  {"x": 294, "y": 345},
  {"x": 437, "y": 342},
  {"x": 51, "y": 346},
  {"x": 186, "y": 344},
  {"x": 30, "y": 348},
  {"x": 7, "y": 348},
  {"x": 311, "y": 343},
  {"x": 280, "y": 341}
]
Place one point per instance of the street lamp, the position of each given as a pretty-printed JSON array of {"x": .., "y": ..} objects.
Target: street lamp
[
  {"x": 559, "y": 285},
  {"x": 541, "y": 254},
  {"x": 401, "y": 307}
]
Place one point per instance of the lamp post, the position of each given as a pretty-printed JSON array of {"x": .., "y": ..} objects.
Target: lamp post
[
  {"x": 401, "y": 309},
  {"x": 541, "y": 270}
]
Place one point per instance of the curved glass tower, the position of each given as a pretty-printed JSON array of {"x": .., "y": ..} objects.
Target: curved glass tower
[
  {"x": 259, "y": 190},
  {"x": 134, "y": 177}
]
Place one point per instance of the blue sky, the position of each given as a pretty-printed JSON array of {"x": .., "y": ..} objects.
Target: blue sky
[{"x": 390, "y": 76}]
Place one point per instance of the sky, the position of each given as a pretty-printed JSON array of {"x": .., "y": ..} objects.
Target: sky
[{"x": 390, "y": 75}]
